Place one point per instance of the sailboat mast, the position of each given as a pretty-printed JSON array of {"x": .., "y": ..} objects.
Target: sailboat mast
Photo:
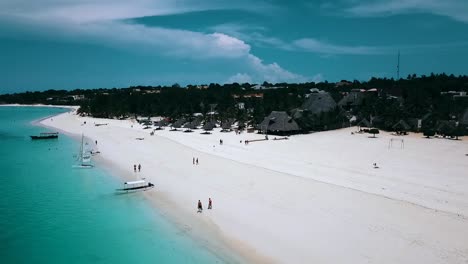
[{"x": 81, "y": 148}]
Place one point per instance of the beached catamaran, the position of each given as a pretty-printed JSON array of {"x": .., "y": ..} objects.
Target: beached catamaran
[
  {"x": 140, "y": 185},
  {"x": 84, "y": 157}
]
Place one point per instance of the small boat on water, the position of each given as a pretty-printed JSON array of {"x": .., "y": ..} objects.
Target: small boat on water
[
  {"x": 140, "y": 185},
  {"x": 50, "y": 135}
]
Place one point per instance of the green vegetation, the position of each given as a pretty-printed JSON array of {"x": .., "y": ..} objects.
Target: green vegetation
[{"x": 384, "y": 102}]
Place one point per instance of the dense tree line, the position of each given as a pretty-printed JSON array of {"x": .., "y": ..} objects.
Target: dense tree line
[{"x": 412, "y": 97}]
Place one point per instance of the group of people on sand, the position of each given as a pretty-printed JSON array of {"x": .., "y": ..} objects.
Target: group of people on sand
[
  {"x": 135, "y": 167},
  {"x": 195, "y": 161},
  {"x": 200, "y": 206}
]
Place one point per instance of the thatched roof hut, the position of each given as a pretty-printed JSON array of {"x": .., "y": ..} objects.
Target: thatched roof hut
[
  {"x": 448, "y": 128},
  {"x": 161, "y": 123},
  {"x": 401, "y": 126},
  {"x": 208, "y": 126},
  {"x": 179, "y": 123},
  {"x": 320, "y": 102},
  {"x": 352, "y": 99},
  {"x": 193, "y": 125},
  {"x": 226, "y": 125},
  {"x": 464, "y": 118},
  {"x": 279, "y": 122},
  {"x": 364, "y": 123}
]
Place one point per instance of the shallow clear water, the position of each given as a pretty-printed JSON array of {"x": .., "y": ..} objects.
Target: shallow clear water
[{"x": 51, "y": 213}]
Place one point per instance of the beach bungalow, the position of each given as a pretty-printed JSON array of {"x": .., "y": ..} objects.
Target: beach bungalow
[
  {"x": 448, "y": 128},
  {"x": 279, "y": 123},
  {"x": 364, "y": 123},
  {"x": 401, "y": 127},
  {"x": 226, "y": 125},
  {"x": 161, "y": 123},
  {"x": 464, "y": 122},
  {"x": 208, "y": 126},
  {"x": 319, "y": 102},
  {"x": 178, "y": 123},
  {"x": 194, "y": 124},
  {"x": 417, "y": 124},
  {"x": 352, "y": 99}
]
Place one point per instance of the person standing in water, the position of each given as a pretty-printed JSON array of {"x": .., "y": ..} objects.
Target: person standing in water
[
  {"x": 200, "y": 207},
  {"x": 134, "y": 167},
  {"x": 210, "y": 204},
  {"x": 197, "y": 161},
  {"x": 139, "y": 167}
]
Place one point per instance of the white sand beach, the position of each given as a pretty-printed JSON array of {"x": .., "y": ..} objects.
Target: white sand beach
[{"x": 313, "y": 198}]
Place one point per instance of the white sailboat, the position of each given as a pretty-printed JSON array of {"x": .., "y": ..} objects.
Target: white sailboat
[{"x": 84, "y": 157}]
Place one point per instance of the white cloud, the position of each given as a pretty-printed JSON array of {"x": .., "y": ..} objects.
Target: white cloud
[
  {"x": 260, "y": 72},
  {"x": 257, "y": 37},
  {"x": 85, "y": 11},
  {"x": 316, "y": 46},
  {"x": 170, "y": 42},
  {"x": 103, "y": 22},
  {"x": 455, "y": 9},
  {"x": 272, "y": 72},
  {"x": 254, "y": 35},
  {"x": 240, "y": 78},
  {"x": 318, "y": 78}
]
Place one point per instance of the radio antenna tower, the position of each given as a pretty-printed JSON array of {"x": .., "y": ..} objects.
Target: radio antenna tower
[{"x": 398, "y": 66}]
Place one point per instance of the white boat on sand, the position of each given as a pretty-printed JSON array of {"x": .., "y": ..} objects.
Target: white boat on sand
[{"x": 140, "y": 185}]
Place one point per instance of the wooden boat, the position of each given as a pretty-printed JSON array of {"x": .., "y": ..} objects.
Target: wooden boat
[
  {"x": 50, "y": 135},
  {"x": 140, "y": 185}
]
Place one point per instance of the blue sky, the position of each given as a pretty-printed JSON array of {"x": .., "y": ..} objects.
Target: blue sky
[{"x": 63, "y": 44}]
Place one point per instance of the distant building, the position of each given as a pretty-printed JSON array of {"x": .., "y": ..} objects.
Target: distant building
[
  {"x": 258, "y": 87},
  {"x": 454, "y": 93},
  {"x": 152, "y": 91},
  {"x": 78, "y": 97},
  {"x": 343, "y": 83},
  {"x": 249, "y": 95},
  {"x": 261, "y": 87}
]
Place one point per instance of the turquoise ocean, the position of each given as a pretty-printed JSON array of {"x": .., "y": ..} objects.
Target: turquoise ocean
[{"x": 51, "y": 213}]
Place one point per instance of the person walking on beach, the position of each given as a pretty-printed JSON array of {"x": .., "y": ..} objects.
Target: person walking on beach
[
  {"x": 210, "y": 204},
  {"x": 200, "y": 207},
  {"x": 139, "y": 167},
  {"x": 193, "y": 160},
  {"x": 196, "y": 161},
  {"x": 134, "y": 167}
]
